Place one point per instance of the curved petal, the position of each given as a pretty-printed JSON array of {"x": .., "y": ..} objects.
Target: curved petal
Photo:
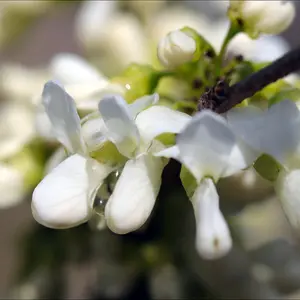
[
  {"x": 121, "y": 128},
  {"x": 134, "y": 195},
  {"x": 287, "y": 188},
  {"x": 241, "y": 157},
  {"x": 160, "y": 119},
  {"x": 61, "y": 110},
  {"x": 274, "y": 131},
  {"x": 205, "y": 145},
  {"x": 140, "y": 104},
  {"x": 63, "y": 199},
  {"x": 213, "y": 238},
  {"x": 70, "y": 68}
]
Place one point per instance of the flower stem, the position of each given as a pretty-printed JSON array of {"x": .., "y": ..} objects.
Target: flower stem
[{"x": 232, "y": 31}]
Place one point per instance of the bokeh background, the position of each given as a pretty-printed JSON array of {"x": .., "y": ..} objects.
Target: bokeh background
[{"x": 159, "y": 261}]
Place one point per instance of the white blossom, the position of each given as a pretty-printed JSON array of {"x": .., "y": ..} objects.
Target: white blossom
[
  {"x": 210, "y": 150},
  {"x": 275, "y": 132},
  {"x": 134, "y": 135},
  {"x": 64, "y": 198}
]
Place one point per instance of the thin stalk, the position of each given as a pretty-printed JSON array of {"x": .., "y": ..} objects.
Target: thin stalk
[{"x": 232, "y": 31}]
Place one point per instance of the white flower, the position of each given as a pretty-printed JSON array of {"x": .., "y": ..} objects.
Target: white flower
[
  {"x": 134, "y": 135},
  {"x": 64, "y": 198},
  {"x": 275, "y": 132},
  {"x": 209, "y": 150},
  {"x": 176, "y": 49},
  {"x": 270, "y": 17}
]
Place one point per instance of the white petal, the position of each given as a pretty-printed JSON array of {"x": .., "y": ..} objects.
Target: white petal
[
  {"x": 213, "y": 238},
  {"x": 205, "y": 145},
  {"x": 134, "y": 195},
  {"x": 72, "y": 69},
  {"x": 61, "y": 110},
  {"x": 171, "y": 152},
  {"x": 64, "y": 198},
  {"x": 140, "y": 104},
  {"x": 160, "y": 119},
  {"x": 12, "y": 187},
  {"x": 121, "y": 128},
  {"x": 287, "y": 188},
  {"x": 274, "y": 131},
  {"x": 241, "y": 157}
]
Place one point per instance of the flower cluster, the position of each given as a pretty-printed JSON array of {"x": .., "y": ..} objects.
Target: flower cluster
[{"x": 134, "y": 123}]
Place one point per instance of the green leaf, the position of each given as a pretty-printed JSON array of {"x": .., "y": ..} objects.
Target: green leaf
[{"x": 267, "y": 167}]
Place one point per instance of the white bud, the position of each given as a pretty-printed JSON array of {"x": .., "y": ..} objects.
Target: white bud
[
  {"x": 270, "y": 17},
  {"x": 213, "y": 238},
  {"x": 287, "y": 187},
  {"x": 176, "y": 49}
]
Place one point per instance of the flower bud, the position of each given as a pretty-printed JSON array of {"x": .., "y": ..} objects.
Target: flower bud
[
  {"x": 176, "y": 49},
  {"x": 270, "y": 17}
]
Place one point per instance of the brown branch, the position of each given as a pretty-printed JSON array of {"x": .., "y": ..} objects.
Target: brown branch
[{"x": 247, "y": 87}]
